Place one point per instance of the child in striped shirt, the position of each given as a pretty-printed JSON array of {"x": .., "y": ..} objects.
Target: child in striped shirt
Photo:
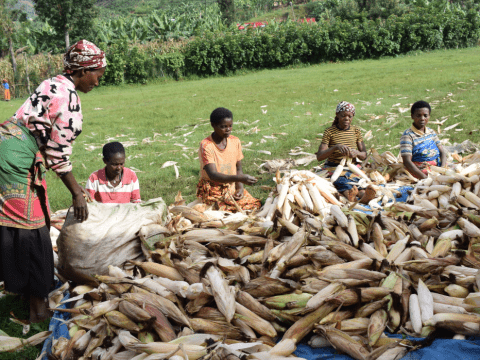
[{"x": 115, "y": 183}]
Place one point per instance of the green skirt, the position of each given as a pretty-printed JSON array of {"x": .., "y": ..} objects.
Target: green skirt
[{"x": 23, "y": 189}]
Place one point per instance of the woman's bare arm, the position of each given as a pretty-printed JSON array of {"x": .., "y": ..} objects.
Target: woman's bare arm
[
  {"x": 238, "y": 185},
  {"x": 361, "y": 153},
  {"x": 443, "y": 155},
  {"x": 412, "y": 168},
  {"x": 324, "y": 151},
  {"x": 214, "y": 175},
  {"x": 80, "y": 209}
]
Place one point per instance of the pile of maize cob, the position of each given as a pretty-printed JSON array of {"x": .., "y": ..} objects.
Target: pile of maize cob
[
  {"x": 315, "y": 193},
  {"x": 234, "y": 292},
  {"x": 217, "y": 286},
  {"x": 304, "y": 188}
]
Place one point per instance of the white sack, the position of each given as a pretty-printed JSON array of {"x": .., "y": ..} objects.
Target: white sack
[{"x": 108, "y": 237}]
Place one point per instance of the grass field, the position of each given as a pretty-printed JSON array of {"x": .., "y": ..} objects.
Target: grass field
[
  {"x": 166, "y": 121},
  {"x": 12, "y": 305}
]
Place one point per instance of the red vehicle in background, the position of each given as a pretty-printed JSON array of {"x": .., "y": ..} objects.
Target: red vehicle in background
[
  {"x": 308, "y": 20},
  {"x": 254, "y": 25}
]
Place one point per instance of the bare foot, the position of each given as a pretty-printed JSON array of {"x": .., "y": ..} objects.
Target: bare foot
[
  {"x": 369, "y": 195},
  {"x": 38, "y": 310},
  {"x": 351, "y": 194}
]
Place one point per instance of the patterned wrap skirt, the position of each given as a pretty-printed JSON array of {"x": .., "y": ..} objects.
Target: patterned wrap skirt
[
  {"x": 423, "y": 166},
  {"x": 26, "y": 254},
  {"x": 221, "y": 197}
]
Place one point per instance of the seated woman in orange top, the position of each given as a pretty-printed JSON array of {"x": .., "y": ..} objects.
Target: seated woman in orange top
[{"x": 221, "y": 175}]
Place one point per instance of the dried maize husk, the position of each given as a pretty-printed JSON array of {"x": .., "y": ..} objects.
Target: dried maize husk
[
  {"x": 376, "y": 326},
  {"x": 343, "y": 342}
]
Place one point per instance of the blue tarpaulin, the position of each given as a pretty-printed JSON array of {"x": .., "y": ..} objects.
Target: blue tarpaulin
[
  {"x": 57, "y": 326},
  {"x": 404, "y": 195},
  {"x": 440, "y": 349}
]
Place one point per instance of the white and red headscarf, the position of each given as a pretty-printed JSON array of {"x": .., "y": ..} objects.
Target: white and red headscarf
[
  {"x": 345, "y": 106},
  {"x": 83, "y": 55}
]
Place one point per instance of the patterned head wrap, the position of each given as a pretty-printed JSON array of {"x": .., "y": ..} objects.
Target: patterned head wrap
[
  {"x": 345, "y": 106},
  {"x": 83, "y": 55}
]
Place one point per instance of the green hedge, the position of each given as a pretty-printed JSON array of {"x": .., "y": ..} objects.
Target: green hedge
[
  {"x": 136, "y": 64},
  {"x": 288, "y": 44},
  {"x": 277, "y": 45}
]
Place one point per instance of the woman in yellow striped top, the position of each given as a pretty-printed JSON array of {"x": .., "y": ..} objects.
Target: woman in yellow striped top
[{"x": 341, "y": 140}]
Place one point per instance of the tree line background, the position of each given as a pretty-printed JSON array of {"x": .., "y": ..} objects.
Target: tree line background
[{"x": 170, "y": 38}]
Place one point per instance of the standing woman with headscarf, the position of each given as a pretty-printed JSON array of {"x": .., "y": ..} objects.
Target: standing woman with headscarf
[
  {"x": 38, "y": 137},
  {"x": 340, "y": 140}
]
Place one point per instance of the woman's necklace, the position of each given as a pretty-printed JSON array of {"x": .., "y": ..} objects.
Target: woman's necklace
[{"x": 116, "y": 182}]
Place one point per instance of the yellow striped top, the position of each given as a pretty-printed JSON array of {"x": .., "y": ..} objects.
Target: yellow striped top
[{"x": 334, "y": 136}]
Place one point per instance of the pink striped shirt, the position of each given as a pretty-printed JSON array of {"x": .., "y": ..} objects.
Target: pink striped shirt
[{"x": 102, "y": 191}]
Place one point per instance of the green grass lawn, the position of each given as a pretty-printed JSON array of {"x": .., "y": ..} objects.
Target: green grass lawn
[
  {"x": 13, "y": 305},
  {"x": 166, "y": 121}
]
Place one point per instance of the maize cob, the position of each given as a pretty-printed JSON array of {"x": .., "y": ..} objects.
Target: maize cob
[
  {"x": 260, "y": 325},
  {"x": 397, "y": 249},
  {"x": 425, "y": 301},
  {"x": 339, "y": 216},
  {"x": 282, "y": 193},
  {"x": 343, "y": 342},
  {"x": 317, "y": 341},
  {"x": 336, "y": 316},
  {"x": 265, "y": 208},
  {"x": 338, "y": 171},
  {"x": 120, "y": 320},
  {"x": 306, "y": 198},
  {"x": 456, "y": 291},
  {"x": 415, "y": 315},
  {"x": 442, "y": 308},
  {"x": 318, "y": 299},
  {"x": 371, "y": 252},
  {"x": 159, "y": 270},
  {"x": 376, "y": 325},
  {"x": 303, "y": 326},
  {"x": 468, "y": 228},
  {"x": 134, "y": 312}
]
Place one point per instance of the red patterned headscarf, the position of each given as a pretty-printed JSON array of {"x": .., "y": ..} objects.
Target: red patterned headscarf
[
  {"x": 83, "y": 55},
  {"x": 345, "y": 106}
]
